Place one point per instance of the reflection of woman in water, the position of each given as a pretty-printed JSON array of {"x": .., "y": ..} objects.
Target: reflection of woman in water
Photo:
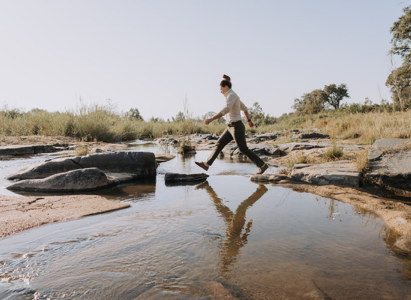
[
  {"x": 235, "y": 129},
  {"x": 235, "y": 222}
]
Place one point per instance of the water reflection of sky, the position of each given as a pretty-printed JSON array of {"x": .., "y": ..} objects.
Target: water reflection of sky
[{"x": 227, "y": 237}]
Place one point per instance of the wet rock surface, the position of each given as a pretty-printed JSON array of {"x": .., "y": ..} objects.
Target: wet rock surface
[{"x": 337, "y": 172}]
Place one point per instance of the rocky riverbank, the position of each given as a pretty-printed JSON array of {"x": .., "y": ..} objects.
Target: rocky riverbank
[{"x": 309, "y": 162}]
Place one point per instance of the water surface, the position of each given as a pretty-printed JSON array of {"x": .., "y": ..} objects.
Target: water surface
[{"x": 227, "y": 238}]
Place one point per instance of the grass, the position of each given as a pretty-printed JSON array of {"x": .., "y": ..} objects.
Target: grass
[{"x": 105, "y": 123}]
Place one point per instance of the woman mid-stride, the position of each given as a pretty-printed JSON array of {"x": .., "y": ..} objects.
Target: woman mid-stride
[{"x": 235, "y": 130}]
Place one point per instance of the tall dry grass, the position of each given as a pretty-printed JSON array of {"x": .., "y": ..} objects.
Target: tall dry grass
[
  {"x": 365, "y": 127},
  {"x": 105, "y": 123},
  {"x": 95, "y": 123}
]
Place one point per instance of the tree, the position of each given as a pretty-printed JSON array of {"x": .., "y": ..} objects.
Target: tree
[
  {"x": 334, "y": 94},
  {"x": 134, "y": 114},
  {"x": 211, "y": 114},
  {"x": 401, "y": 35},
  {"x": 310, "y": 103},
  {"x": 180, "y": 117},
  {"x": 259, "y": 117},
  {"x": 399, "y": 82}
]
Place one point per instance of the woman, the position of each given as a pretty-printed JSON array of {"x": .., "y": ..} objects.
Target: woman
[{"x": 235, "y": 129}]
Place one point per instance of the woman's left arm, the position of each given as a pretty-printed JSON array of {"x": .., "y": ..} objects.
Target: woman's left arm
[{"x": 247, "y": 115}]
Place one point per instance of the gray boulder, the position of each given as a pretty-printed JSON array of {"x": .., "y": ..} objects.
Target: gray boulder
[
  {"x": 337, "y": 172},
  {"x": 72, "y": 181},
  {"x": 141, "y": 164},
  {"x": 390, "y": 164},
  {"x": 46, "y": 169}
]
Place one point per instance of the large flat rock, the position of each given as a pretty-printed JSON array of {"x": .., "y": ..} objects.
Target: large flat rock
[
  {"x": 21, "y": 213},
  {"x": 341, "y": 172},
  {"x": 141, "y": 164},
  {"x": 390, "y": 164}
]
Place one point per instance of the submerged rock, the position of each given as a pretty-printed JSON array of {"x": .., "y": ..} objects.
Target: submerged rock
[{"x": 337, "y": 172}]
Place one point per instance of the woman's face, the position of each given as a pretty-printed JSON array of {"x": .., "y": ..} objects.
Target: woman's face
[{"x": 224, "y": 89}]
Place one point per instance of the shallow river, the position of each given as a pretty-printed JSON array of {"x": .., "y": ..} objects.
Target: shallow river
[{"x": 227, "y": 238}]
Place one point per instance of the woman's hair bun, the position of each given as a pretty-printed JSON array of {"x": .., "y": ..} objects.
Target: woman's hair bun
[{"x": 226, "y": 77}]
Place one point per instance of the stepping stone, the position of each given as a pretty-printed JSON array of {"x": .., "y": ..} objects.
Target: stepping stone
[{"x": 184, "y": 177}]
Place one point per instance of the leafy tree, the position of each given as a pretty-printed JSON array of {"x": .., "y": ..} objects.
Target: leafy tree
[
  {"x": 334, "y": 94},
  {"x": 258, "y": 116},
  {"x": 399, "y": 81},
  {"x": 310, "y": 103},
  {"x": 401, "y": 35},
  {"x": 179, "y": 117},
  {"x": 134, "y": 114},
  {"x": 210, "y": 114}
]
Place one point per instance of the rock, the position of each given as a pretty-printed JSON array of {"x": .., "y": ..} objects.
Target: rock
[
  {"x": 338, "y": 172},
  {"x": 142, "y": 164},
  {"x": 72, "y": 181},
  {"x": 169, "y": 177},
  {"x": 24, "y": 149},
  {"x": 163, "y": 157},
  {"x": 259, "y": 149},
  {"x": 267, "y": 177},
  {"x": 299, "y": 146},
  {"x": 21, "y": 213},
  {"x": 46, "y": 169},
  {"x": 310, "y": 135},
  {"x": 390, "y": 164}
]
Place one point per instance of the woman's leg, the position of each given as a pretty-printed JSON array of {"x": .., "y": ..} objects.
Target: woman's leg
[
  {"x": 238, "y": 132},
  {"x": 224, "y": 139}
]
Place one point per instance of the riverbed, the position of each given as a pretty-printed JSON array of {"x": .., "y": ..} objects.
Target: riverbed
[{"x": 226, "y": 238}]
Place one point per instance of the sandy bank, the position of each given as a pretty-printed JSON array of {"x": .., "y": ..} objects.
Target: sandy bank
[
  {"x": 21, "y": 213},
  {"x": 396, "y": 215}
]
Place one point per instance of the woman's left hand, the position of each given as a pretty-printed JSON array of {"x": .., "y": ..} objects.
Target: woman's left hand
[
  {"x": 251, "y": 124},
  {"x": 208, "y": 121}
]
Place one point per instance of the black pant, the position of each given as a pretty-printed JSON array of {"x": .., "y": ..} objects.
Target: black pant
[{"x": 236, "y": 132}]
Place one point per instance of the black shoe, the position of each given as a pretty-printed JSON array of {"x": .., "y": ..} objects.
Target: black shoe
[{"x": 202, "y": 165}]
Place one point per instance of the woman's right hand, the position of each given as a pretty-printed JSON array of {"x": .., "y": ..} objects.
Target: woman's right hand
[{"x": 208, "y": 121}]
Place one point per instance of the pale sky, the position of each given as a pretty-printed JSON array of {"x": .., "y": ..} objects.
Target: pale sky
[{"x": 151, "y": 54}]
